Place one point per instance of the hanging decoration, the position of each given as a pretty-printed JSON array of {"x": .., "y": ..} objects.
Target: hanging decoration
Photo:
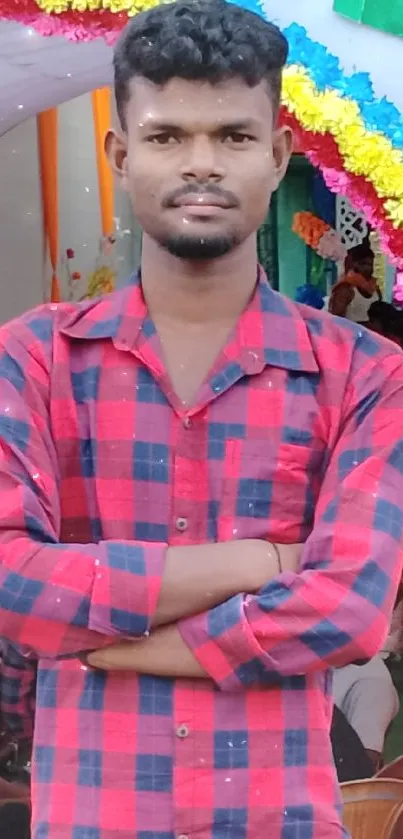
[
  {"x": 398, "y": 290},
  {"x": 331, "y": 247},
  {"x": 309, "y": 228},
  {"x": 309, "y": 295},
  {"x": 73, "y": 276},
  {"x": 102, "y": 279},
  {"x": 323, "y": 152},
  {"x": 319, "y": 236},
  {"x": 387, "y": 16},
  {"x": 365, "y": 153},
  {"x": 47, "y": 124},
  {"x": 379, "y": 271},
  {"x": 350, "y": 224},
  {"x": 355, "y": 139}
]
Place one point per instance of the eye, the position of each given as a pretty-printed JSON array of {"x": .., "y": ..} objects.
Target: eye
[
  {"x": 237, "y": 138},
  {"x": 164, "y": 138}
]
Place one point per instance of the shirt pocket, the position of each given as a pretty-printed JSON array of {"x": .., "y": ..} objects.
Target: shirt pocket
[{"x": 269, "y": 492}]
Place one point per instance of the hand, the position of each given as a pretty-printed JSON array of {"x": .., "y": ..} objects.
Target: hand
[
  {"x": 121, "y": 656},
  {"x": 163, "y": 653}
]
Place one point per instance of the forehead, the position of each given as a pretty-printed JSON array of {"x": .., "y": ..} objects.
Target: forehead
[{"x": 198, "y": 103}]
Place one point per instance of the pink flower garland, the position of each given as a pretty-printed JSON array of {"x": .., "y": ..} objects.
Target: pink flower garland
[
  {"x": 75, "y": 26},
  {"x": 322, "y": 151}
]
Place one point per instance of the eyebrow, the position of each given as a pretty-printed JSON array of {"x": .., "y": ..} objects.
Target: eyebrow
[{"x": 236, "y": 125}]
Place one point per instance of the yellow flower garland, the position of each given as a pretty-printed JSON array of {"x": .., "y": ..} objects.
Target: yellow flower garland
[
  {"x": 367, "y": 153},
  {"x": 130, "y": 7}
]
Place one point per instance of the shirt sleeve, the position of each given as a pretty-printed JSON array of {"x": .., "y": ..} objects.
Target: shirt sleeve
[
  {"x": 17, "y": 692},
  {"x": 57, "y": 599},
  {"x": 337, "y": 609}
]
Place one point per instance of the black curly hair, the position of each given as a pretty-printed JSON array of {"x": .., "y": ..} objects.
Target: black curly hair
[{"x": 199, "y": 40}]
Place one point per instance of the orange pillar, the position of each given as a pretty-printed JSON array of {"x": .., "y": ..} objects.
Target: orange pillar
[
  {"x": 47, "y": 124},
  {"x": 101, "y": 109}
]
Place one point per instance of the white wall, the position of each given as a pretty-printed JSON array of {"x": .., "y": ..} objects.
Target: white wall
[
  {"x": 22, "y": 284},
  {"x": 20, "y": 222}
]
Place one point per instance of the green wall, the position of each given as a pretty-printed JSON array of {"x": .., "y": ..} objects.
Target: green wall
[{"x": 294, "y": 195}]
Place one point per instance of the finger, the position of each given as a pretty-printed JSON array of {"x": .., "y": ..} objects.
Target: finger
[
  {"x": 116, "y": 658},
  {"x": 98, "y": 661}
]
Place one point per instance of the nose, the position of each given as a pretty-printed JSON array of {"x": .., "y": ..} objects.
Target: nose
[{"x": 201, "y": 161}]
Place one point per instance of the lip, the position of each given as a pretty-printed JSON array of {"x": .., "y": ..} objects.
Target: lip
[
  {"x": 202, "y": 202},
  {"x": 199, "y": 211}
]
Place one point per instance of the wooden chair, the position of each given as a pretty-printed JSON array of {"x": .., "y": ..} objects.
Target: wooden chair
[
  {"x": 392, "y": 770},
  {"x": 371, "y": 808}
]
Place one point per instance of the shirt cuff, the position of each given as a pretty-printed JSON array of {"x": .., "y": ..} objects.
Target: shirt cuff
[
  {"x": 224, "y": 645},
  {"x": 127, "y": 584}
]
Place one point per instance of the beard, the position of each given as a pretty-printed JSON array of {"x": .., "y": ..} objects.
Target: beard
[{"x": 200, "y": 248}]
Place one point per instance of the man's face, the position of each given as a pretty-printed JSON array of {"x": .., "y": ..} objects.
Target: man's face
[
  {"x": 200, "y": 162},
  {"x": 365, "y": 266}
]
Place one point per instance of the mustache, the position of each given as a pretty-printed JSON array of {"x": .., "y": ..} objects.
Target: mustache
[{"x": 171, "y": 198}]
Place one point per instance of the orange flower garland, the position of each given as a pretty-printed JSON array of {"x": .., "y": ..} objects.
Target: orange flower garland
[{"x": 309, "y": 228}]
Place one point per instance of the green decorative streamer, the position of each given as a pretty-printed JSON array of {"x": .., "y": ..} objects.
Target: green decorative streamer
[
  {"x": 317, "y": 275},
  {"x": 386, "y": 15}
]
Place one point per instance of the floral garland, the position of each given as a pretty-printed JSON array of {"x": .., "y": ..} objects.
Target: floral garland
[
  {"x": 309, "y": 228},
  {"x": 356, "y": 140},
  {"x": 325, "y": 71},
  {"x": 364, "y": 152},
  {"x": 130, "y": 7},
  {"x": 319, "y": 236},
  {"x": 398, "y": 290},
  {"x": 323, "y": 152}
]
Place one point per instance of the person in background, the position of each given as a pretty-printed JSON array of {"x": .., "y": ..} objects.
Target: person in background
[
  {"x": 15, "y": 819},
  {"x": 369, "y": 701},
  {"x": 200, "y": 469},
  {"x": 17, "y": 711},
  {"x": 385, "y": 320},
  {"x": 357, "y": 290},
  {"x": 350, "y": 758},
  {"x": 366, "y": 694}
]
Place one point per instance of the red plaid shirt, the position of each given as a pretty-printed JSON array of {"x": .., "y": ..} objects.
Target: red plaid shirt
[{"x": 296, "y": 436}]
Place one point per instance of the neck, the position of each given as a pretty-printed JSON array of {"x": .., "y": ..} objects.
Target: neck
[{"x": 189, "y": 292}]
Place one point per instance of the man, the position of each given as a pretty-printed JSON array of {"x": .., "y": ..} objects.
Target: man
[
  {"x": 369, "y": 700},
  {"x": 384, "y": 319},
  {"x": 350, "y": 758},
  {"x": 357, "y": 290},
  {"x": 17, "y": 706},
  {"x": 367, "y": 696},
  {"x": 17, "y": 689},
  {"x": 164, "y": 452}
]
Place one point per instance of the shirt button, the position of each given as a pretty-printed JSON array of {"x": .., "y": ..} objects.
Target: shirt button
[
  {"x": 182, "y": 731},
  {"x": 181, "y": 524},
  {"x": 187, "y": 422}
]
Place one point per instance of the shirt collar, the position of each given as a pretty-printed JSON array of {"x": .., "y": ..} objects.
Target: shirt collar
[{"x": 272, "y": 330}]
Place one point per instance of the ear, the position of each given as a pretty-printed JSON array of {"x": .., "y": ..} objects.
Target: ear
[
  {"x": 116, "y": 152},
  {"x": 282, "y": 151}
]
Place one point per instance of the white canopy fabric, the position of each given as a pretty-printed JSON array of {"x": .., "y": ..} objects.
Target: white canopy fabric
[{"x": 38, "y": 73}]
